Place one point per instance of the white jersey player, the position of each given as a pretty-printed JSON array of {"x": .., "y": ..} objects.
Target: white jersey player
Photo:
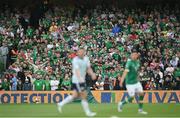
[{"x": 80, "y": 66}]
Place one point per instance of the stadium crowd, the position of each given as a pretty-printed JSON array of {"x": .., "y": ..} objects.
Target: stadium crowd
[{"x": 39, "y": 57}]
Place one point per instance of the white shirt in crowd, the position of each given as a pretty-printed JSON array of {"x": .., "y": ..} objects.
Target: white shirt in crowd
[
  {"x": 54, "y": 84},
  {"x": 100, "y": 85}
]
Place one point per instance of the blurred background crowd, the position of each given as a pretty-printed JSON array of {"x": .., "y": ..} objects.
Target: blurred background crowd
[{"x": 38, "y": 41}]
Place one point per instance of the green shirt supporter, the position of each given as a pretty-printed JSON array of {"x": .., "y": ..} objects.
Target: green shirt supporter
[
  {"x": 95, "y": 66},
  {"x": 29, "y": 32},
  {"x": 59, "y": 22},
  {"x": 116, "y": 73},
  {"x": 47, "y": 85},
  {"x": 66, "y": 36},
  {"x": 38, "y": 84},
  {"x": 6, "y": 86},
  {"x": 116, "y": 56},
  {"x": 121, "y": 48},
  {"x": 177, "y": 72},
  {"x": 45, "y": 36},
  {"x": 54, "y": 59},
  {"x": 162, "y": 25},
  {"x": 120, "y": 72},
  {"x": 103, "y": 74},
  {"x": 46, "y": 22},
  {"x": 34, "y": 55},
  {"x": 110, "y": 75},
  {"x": 40, "y": 72},
  {"x": 66, "y": 83},
  {"x": 133, "y": 67},
  {"x": 153, "y": 28},
  {"x": 109, "y": 44},
  {"x": 49, "y": 53},
  {"x": 13, "y": 22},
  {"x": 104, "y": 67},
  {"x": 128, "y": 29},
  {"x": 141, "y": 19}
]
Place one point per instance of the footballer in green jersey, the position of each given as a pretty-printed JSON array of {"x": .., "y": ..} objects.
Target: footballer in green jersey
[{"x": 130, "y": 75}]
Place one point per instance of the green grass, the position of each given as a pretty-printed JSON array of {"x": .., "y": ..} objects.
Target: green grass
[{"x": 75, "y": 110}]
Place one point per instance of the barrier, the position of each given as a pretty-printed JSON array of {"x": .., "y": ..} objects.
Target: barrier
[{"x": 100, "y": 96}]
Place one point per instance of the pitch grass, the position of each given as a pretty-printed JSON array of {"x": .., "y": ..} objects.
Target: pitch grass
[{"x": 75, "y": 110}]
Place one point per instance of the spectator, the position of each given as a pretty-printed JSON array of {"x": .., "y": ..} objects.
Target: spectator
[
  {"x": 147, "y": 86},
  {"x": 38, "y": 84},
  {"x": 3, "y": 55},
  {"x": 54, "y": 30},
  {"x": 156, "y": 36},
  {"x": 47, "y": 83},
  {"x": 106, "y": 84},
  {"x": 21, "y": 75},
  {"x": 14, "y": 82},
  {"x": 174, "y": 61},
  {"x": 19, "y": 85},
  {"x": 27, "y": 85},
  {"x": 99, "y": 83},
  {"x": 167, "y": 82},
  {"x": 66, "y": 84},
  {"x": 54, "y": 83},
  {"x": 116, "y": 84},
  {"x": 116, "y": 29},
  {"x": 6, "y": 85}
]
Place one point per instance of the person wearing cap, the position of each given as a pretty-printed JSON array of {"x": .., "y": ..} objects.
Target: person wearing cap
[{"x": 130, "y": 75}]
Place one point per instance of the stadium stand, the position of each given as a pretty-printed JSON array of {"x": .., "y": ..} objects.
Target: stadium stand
[{"x": 38, "y": 42}]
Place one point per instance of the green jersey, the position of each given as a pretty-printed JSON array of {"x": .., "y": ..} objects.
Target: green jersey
[
  {"x": 132, "y": 66},
  {"x": 5, "y": 86},
  {"x": 47, "y": 85},
  {"x": 66, "y": 83},
  {"x": 38, "y": 85}
]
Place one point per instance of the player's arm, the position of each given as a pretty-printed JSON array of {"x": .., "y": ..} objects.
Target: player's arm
[
  {"x": 90, "y": 71},
  {"x": 125, "y": 72},
  {"x": 123, "y": 77}
]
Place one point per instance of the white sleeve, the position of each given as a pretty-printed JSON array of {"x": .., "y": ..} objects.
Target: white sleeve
[
  {"x": 57, "y": 83},
  {"x": 75, "y": 64},
  {"x": 51, "y": 83}
]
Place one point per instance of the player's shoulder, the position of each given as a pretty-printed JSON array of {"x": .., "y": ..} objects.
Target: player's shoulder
[
  {"x": 75, "y": 59},
  {"x": 129, "y": 60}
]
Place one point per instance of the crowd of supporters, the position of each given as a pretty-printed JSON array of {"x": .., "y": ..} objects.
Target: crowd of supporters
[{"x": 38, "y": 57}]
